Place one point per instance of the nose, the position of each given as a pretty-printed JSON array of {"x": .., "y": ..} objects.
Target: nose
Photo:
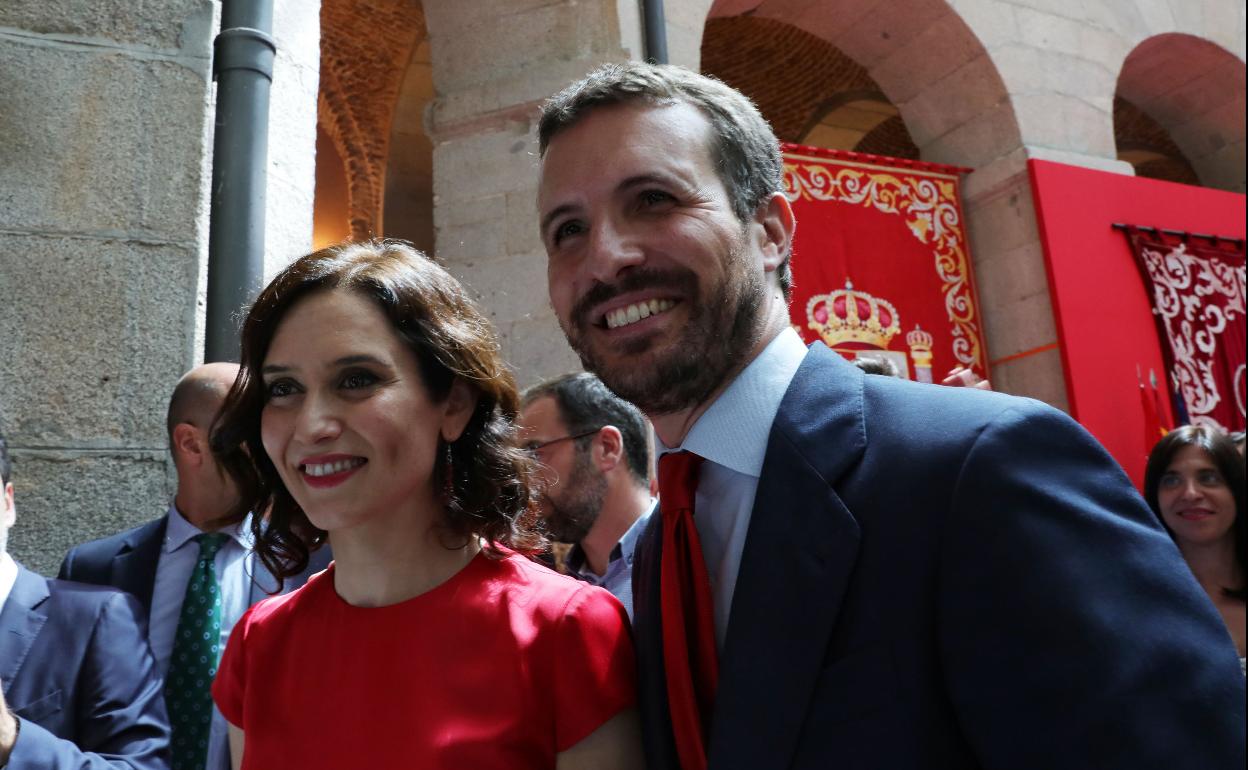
[
  {"x": 612, "y": 249},
  {"x": 317, "y": 420},
  {"x": 1191, "y": 490}
]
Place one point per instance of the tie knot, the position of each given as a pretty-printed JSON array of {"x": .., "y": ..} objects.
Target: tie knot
[
  {"x": 678, "y": 480},
  {"x": 209, "y": 544}
]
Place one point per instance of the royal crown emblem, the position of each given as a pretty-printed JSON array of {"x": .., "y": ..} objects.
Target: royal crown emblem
[{"x": 852, "y": 316}]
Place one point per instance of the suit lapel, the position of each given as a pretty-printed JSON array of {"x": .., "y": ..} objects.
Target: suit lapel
[
  {"x": 20, "y": 622},
  {"x": 799, "y": 554},
  {"x": 134, "y": 567}
]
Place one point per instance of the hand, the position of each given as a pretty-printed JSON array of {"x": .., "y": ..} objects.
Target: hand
[
  {"x": 962, "y": 377},
  {"x": 8, "y": 729}
]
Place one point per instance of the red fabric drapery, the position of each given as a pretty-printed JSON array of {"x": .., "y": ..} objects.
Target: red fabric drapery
[
  {"x": 880, "y": 262},
  {"x": 1196, "y": 287}
]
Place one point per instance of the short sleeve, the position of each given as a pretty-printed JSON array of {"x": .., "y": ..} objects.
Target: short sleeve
[
  {"x": 595, "y": 671},
  {"x": 229, "y": 688}
]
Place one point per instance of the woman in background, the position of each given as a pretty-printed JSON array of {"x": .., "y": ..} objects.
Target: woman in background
[
  {"x": 1194, "y": 482},
  {"x": 372, "y": 410}
]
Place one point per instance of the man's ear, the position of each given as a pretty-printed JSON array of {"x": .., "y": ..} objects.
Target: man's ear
[
  {"x": 189, "y": 444},
  {"x": 608, "y": 448},
  {"x": 8, "y": 511},
  {"x": 460, "y": 403},
  {"x": 775, "y": 232}
]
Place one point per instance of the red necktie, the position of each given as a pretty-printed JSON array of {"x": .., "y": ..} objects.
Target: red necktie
[{"x": 689, "y": 654}]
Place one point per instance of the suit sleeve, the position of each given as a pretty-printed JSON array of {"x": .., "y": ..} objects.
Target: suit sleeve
[
  {"x": 67, "y": 567},
  {"x": 120, "y": 709},
  {"x": 1072, "y": 633}
]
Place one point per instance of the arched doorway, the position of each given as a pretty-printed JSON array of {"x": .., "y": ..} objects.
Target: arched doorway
[{"x": 366, "y": 48}]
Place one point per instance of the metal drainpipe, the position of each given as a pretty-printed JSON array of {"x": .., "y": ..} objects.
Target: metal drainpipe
[
  {"x": 656, "y": 31},
  {"x": 242, "y": 64}
]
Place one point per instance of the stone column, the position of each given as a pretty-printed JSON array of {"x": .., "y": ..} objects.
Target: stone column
[
  {"x": 493, "y": 64},
  {"x": 105, "y": 117},
  {"x": 106, "y": 114}
]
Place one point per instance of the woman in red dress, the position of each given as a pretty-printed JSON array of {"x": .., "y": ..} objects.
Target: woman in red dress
[{"x": 373, "y": 411}]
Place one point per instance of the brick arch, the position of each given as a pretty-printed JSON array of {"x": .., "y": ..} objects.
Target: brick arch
[
  {"x": 920, "y": 54},
  {"x": 790, "y": 74},
  {"x": 365, "y": 48},
  {"x": 1193, "y": 90},
  {"x": 1148, "y": 147},
  {"x": 806, "y": 87}
]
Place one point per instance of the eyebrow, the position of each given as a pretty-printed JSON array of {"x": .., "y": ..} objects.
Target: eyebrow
[
  {"x": 637, "y": 180},
  {"x": 360, "y": 358}
]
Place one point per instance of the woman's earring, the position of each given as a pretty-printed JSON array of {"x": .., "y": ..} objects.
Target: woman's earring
[{"x": 448, "y": 477}]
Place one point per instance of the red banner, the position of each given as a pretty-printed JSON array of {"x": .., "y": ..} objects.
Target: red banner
[
  {"x": 880, "y": 262},
  {"x": 1197, "y": 293}
]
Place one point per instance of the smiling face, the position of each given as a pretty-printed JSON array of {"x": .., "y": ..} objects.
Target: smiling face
[
  {"x": 658, "y": 286},
  {"x": 347, "y": 420},
  {"x": 1195, "y": 500}
]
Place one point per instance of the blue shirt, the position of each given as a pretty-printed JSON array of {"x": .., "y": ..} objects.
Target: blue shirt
[
  {"x": 618, "y": 579},
  {"x": 732, "y": 435},
  {"x": 233, "y": 564}
]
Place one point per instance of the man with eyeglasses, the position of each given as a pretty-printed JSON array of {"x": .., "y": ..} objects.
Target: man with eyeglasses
[{"x": 595, "y": 467}]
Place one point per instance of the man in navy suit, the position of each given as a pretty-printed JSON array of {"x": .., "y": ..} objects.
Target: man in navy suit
[
  {"x": 155, "y": 561},
  {"x": 79, "y": 686},
  {"x": 900, "y": 575}
]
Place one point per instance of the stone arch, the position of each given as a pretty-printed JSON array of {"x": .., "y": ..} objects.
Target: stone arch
[
  {"x": 365, "y": 49},
  {"x": 409, "y": 169},
  {"x": 809, "y": 90},
  {"x": 919, "y": 54},
  {"x": 1192, "y": 91}
]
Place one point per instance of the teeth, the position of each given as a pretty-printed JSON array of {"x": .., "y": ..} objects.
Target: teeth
[
  {"x": 635, "y": 312},
  {"x": 338, "y": 466}
]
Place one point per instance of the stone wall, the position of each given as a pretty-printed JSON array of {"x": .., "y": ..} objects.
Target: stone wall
[
  {"x": 103, "y": 147},
  {"x": 106, "y": 113}
]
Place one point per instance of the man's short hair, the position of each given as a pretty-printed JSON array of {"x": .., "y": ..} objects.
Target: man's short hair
[
  {"x": 586, "y": 404},
  {"x": 744, "y": 148},
  {"x": 6, "y": 465},
  {"x": 195, "y": 400}
]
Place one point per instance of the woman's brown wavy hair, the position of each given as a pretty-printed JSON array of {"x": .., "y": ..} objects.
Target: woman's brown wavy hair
[{"x": 491, "y": 492}]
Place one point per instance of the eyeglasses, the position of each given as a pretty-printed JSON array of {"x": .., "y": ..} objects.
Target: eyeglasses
[{"x": 533, "y": 447}]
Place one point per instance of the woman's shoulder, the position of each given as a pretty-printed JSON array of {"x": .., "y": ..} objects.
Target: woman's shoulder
[
  {"x": 546, "y": 592},
  {"x": 277, "y": 610}
]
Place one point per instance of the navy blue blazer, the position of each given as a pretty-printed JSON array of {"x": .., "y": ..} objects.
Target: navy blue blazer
[
  {"x": 78, "y": 672},
  {"x": 940, "y": 577},
  {"x": 128, "y": 561}
]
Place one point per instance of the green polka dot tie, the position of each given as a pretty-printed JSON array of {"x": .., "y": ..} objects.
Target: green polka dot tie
[{"x": 196, "y": 651}]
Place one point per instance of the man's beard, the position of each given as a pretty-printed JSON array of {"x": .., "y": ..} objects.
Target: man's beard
[
  {"x": 583, "y": 492},
  {"x": 721, "y": 331}
]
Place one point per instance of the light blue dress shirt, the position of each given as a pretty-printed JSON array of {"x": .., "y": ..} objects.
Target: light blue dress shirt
[
  {"x": 732, "y": 435},
  {"x": 618, "y": 579},
  {"x": 233, "y": 564}
]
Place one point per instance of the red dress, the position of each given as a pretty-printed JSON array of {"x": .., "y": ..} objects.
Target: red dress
[{"x": 502, "y": 666}]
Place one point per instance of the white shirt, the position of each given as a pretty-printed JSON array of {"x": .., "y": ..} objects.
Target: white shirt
[
  {"x": 8, "y": 576},
  {"x": 233, "y": 565},
  {"x": 732, "y": 435}
]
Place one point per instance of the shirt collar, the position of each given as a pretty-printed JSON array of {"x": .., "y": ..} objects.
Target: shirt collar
[
  {"x": 733, "y": 431},
  {"x": 8, "y": 576},
  {"x": 179, "y": 531},
  {"x": 628, "y": 543}
]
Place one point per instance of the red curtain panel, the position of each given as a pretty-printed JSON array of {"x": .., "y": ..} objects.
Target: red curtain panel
[
  {"x": 1196, "y": 286},
  {"x": 880, "y": 261}
]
